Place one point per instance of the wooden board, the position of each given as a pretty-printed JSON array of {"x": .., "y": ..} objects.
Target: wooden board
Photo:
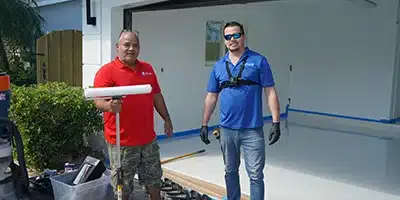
[
  {"x": 59, "y": 57},
  {"x": 198, "y": 185}
]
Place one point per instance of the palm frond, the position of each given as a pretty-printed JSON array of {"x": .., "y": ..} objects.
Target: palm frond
[{"x": 21, "y": 22}]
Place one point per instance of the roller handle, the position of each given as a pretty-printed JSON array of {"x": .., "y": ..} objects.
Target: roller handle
[
  {"x": 183, "y": 156},
  {"x": 119, "y": 171},
  {"x": 116, "y": 97}
]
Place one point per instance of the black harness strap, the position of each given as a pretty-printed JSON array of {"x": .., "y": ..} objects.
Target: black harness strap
[{"x": 236, "y": 81}]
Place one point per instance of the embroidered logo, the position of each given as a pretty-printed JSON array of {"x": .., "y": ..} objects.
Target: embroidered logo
[
  {"x": 249, "y": 64},
  {"x": 147, "y": 73}
]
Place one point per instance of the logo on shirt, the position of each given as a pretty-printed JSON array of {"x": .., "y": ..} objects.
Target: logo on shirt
[
  {"x": 249, "y": 64},
  {"x": 147, "y": 73}
]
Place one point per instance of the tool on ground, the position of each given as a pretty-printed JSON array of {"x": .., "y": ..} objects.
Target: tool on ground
[
  {"x": 182, "y": 156},
  {"x": 117, "y": 93}
]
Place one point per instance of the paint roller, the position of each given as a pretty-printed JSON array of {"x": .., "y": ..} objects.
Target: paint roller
[{"x": 117, "y": 92}]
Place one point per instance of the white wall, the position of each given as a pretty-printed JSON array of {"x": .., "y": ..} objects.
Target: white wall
[
  {"x": 396, "y": 77},
  {"x": 99, "y": 40},
  {"x": 175, "y": 41},
  {"x": 62, "y": 16},
  {"x": 342, "y": 54}
]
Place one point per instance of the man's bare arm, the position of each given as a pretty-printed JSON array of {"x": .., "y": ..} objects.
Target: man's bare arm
[
  {"x": 209, "y": 106},
  {"x": 102, "y": 105},
  {"x": 273, "y": 103},
  {"x": 161, "y": 108},
  {"x": 108, "y": 105}
]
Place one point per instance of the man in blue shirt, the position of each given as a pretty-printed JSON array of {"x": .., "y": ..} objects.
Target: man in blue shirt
[{"x": 238, "y": 80}]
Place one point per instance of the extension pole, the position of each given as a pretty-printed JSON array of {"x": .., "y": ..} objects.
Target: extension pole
[
  {"x": 117, "y": 93},
  {"x": 119, "y": 171}
]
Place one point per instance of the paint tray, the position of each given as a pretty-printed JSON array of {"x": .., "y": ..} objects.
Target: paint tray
[{"x": 99, "y": 189}]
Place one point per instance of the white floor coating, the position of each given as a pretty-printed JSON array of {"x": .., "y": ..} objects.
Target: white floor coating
[{"x": 306, "y": 164}]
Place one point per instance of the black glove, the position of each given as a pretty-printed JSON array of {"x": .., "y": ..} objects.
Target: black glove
[
  {"x": 204, "y": 134},
  {"x": 274, "y": 133}
]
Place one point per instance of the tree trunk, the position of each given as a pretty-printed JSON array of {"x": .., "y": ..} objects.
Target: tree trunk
[{"x": 3, "y": 56}]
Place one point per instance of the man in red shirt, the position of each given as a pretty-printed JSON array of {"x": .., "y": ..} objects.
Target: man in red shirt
[{"x": 139, "y": 147}]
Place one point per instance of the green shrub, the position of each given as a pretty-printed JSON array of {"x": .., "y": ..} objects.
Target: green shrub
[
  {"x": 53, "y": 119},
  {"x": 21, "y": 72}
]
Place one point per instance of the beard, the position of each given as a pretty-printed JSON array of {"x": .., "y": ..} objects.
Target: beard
[{"x": 234, "y": 47}]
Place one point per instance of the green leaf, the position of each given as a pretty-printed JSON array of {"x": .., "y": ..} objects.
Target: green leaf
[{"x": 53, "y": 119}]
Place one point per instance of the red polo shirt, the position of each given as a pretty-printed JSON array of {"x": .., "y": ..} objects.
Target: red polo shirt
[{"x": 137, "y": 112}]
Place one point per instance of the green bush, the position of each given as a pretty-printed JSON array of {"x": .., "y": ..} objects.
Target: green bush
[
  {"x": 22, "y": 69},
  {"x": 53, "y": 119}
]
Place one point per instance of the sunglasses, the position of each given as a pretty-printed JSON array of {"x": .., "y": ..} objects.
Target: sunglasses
[{"x": 235, "y": 36}]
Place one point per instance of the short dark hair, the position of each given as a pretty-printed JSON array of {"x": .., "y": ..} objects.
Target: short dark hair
[{"x": 234, "y": 23}]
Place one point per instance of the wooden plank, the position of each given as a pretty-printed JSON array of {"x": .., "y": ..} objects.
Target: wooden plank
[
  {"x": 66, "y": 56},
  {"x": 77, "y": 69},
  {"x": 198, "y": 185},
  {"x": 50, "y": 63},
  {"x": 39, "y": 59},
  {"x": 192, "y": 183},
  {"x": 42, "y": 59},
  {"x": 61, "y": 54},
  {"x": 54, "y": 56}
]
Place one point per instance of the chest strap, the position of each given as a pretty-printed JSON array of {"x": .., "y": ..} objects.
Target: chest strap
[{"x": 236, "y": 81}]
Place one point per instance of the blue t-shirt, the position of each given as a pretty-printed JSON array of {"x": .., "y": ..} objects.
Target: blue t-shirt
[{"x": 241, "y": 107}]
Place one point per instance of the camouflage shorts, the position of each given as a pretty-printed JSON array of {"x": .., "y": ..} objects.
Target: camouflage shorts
[{"x": 143, "y": 160}]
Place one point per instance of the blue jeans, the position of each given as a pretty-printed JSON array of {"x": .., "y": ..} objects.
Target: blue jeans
[{"x": 253, "y": 145}]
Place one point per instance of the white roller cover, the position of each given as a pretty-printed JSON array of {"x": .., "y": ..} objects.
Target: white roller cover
[{"x": 117, "y": 91}]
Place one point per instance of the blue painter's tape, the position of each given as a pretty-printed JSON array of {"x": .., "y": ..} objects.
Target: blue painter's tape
[
  {"x": 269, "y": 118},
  {"x": 184, "y": 133},
  {"x": 210, "y": 128},
  {"x": 391, "y": 121},
  {"x": 384, "y": 121},
  {"x": 196, "y": 131}
]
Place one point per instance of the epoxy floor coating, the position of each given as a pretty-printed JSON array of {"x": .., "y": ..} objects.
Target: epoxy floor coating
[{"x": 306, "y": 164}]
